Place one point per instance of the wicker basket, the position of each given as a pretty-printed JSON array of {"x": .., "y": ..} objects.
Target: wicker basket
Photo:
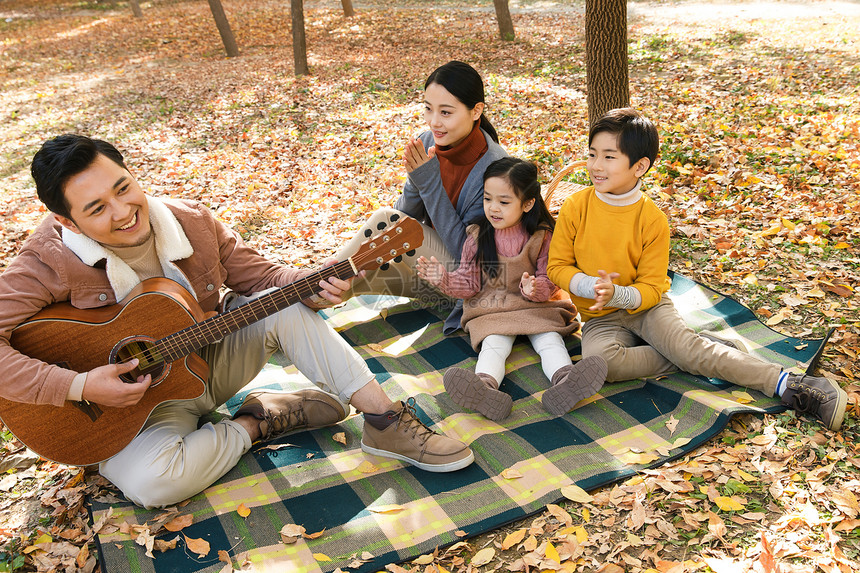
[{"x": 557, "y": 191}]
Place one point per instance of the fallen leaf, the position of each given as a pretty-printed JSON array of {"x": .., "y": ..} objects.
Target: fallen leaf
[
  {"x": 511, "y": 474},
  {"x": 366, "y": 467},
  {"x": 728, "y": 503},
  {"x": 321, "y": 557},
  {"x": 552, "y": 553},
  {"x": 340, "y": 438},
  {"x": 243, "y": 510},
  {"x": 291, "y": 532},
  {"x": 198, "y": 546},
  {"x": 513, "y": 539},
  {"x": 179, "y": 523},
  {"x": 575, "y": 493},
  {"x": 483, "y": 556}
]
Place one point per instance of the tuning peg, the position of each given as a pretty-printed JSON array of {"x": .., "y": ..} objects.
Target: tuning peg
[{"x": 380, "y": 226}]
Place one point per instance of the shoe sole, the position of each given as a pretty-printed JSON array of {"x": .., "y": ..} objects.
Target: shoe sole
[
  {"x": 435, "y": 468},
  {"x": 839, "y": 413},
  {"x": 493, "y": 404},
  {"x": 585, "y": 379}
]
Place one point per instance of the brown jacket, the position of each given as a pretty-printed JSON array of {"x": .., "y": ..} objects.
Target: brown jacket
[{"x": 47, "y": 271}]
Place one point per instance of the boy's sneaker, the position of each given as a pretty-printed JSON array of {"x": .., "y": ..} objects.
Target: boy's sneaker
[
  {"x": 477, "y": 392},
  {"x": 407, "y": 439},
  {"x": 574, "y": 383},
  {"x": 821, "y": 397},
  {"x": 720, "y": 338},
  {"x": 282, "y": 412}
]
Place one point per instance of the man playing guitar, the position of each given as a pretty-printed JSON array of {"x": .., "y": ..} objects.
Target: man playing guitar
[{"x": 104, "y": 236}]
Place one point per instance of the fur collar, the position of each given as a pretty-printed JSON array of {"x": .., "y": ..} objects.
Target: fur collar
[{"x": 171, "y": 244}]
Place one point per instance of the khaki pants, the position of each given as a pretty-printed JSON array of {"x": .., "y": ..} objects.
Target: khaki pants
[
  {"x": 657, "y": 341},
  {"x": 171, "y": 459},
  {"x": 399, "y": 279}
]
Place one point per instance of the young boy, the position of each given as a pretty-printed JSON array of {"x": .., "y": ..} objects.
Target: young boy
[{"x": 610, "y": 251}]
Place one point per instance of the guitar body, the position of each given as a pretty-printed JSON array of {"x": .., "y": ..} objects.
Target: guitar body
[
  {"x": 81, "y": 433},
  {"x": 160, "y": 324}
]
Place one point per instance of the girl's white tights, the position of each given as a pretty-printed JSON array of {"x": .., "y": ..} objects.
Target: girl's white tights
[{"x": 496, "y": 348}]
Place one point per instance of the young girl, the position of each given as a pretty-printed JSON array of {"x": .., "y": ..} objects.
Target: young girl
[
  {"x": 502, "y": 277},
  {"x": 444, "y": 185}
]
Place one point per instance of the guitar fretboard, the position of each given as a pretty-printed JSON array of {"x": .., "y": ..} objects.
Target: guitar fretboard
[{"x": 213, "y": 329}]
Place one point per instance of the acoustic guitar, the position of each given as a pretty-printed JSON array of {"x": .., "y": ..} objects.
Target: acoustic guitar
[{"x": 161, "y": 324}]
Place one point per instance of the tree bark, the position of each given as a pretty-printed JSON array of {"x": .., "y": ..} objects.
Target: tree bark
[
  {"x": 135, "y": 8},
  {"x": 224, "y": 28},
  {"x": 300, "y": 50},
  {"x": 503, "y": 15},
  {"x": 347, "y": 8},
  {"x": 606, "y": 56}
]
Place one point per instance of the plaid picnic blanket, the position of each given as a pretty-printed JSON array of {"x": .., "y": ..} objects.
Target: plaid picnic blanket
[{"x": 368, "y": 506}]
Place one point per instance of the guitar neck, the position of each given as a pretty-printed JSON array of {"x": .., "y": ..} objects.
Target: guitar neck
[{"x": 184, "y": 342}]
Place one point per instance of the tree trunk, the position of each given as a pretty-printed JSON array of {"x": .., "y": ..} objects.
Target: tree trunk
[
  {"x": 224, "y": 28},
  {"x": 347, "y": 8},
  {"x": 503, "y": 15},
  {"x": 135, "y": 8},
  {"x": 606, "y": 56},
  {"x": 300, "y": 50}
]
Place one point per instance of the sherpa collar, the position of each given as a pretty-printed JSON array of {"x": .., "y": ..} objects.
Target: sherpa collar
[{"x": 171, "y": 244}]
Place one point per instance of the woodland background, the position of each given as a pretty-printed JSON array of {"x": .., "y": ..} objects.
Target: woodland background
[{"x": 757, "y": 107}]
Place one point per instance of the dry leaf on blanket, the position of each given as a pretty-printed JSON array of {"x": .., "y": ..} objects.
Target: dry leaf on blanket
[
  {"x": 179, "y": 523},
  {"x": 511, "y": 474},
  {"x": 340, "y": 438},
  {"x": 198, "y": 546},
  {"x": 243, "y": 510},
  {"x": 291, "y": 532},
  {"x": 366, "y": 467}
]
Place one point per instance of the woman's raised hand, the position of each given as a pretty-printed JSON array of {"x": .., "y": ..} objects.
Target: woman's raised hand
[
  {"x": 431, "y": 271},
  {"x": 414, "y": 155}
]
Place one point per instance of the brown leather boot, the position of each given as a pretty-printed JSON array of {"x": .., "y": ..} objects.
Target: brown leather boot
[
  {"x": 574, "y": 383},
  {"x": 399, "y": 434},
  {"x": 479, "y": 392},
  {"x": 282, "y": 412}
]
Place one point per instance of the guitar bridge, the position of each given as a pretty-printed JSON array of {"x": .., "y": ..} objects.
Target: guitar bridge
[{"x": 88, "y": 408}]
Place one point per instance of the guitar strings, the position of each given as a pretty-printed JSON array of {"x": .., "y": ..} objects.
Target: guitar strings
[{"x": 167, "y": 344}]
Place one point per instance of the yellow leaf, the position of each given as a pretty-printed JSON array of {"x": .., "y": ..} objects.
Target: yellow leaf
[
  {"x": 728, "y": 503},
  {"x": 392, "y": 508},
  {"x": 313, "y": 535},
  {"x": 841, "y": 245},
  {"x": 551, "y": 552},
  {"x": 483, "y": 556},
  {"x": 321, "y": 557},
  {"x": 751, "y": 279},
  {"x": 243, "y": 510},
  {"x": 575, "y": 493},
  {"x": 198, "y": 546},
  {"x": 366, "y": 467},
  {"x": 586, "y": 515},
  {"x": 742, "y": 397},
  {"x": 747, "y": 477},
  {"x": 513, "y": 538},
  {"x": 581, "y": 534},
  {"x": 788, "y": 224}
]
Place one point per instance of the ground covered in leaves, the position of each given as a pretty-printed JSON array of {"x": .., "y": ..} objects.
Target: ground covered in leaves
[{"x": 757, "y": 107}]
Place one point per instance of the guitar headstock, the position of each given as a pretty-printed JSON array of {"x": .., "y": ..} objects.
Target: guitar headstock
[{"x": 394, "y": 241}]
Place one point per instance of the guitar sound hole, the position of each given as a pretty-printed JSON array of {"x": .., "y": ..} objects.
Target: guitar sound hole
[{"x": 151, "y": 361}]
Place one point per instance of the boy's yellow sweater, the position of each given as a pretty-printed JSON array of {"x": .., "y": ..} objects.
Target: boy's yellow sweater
[{"x": 591, "y": 235}]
